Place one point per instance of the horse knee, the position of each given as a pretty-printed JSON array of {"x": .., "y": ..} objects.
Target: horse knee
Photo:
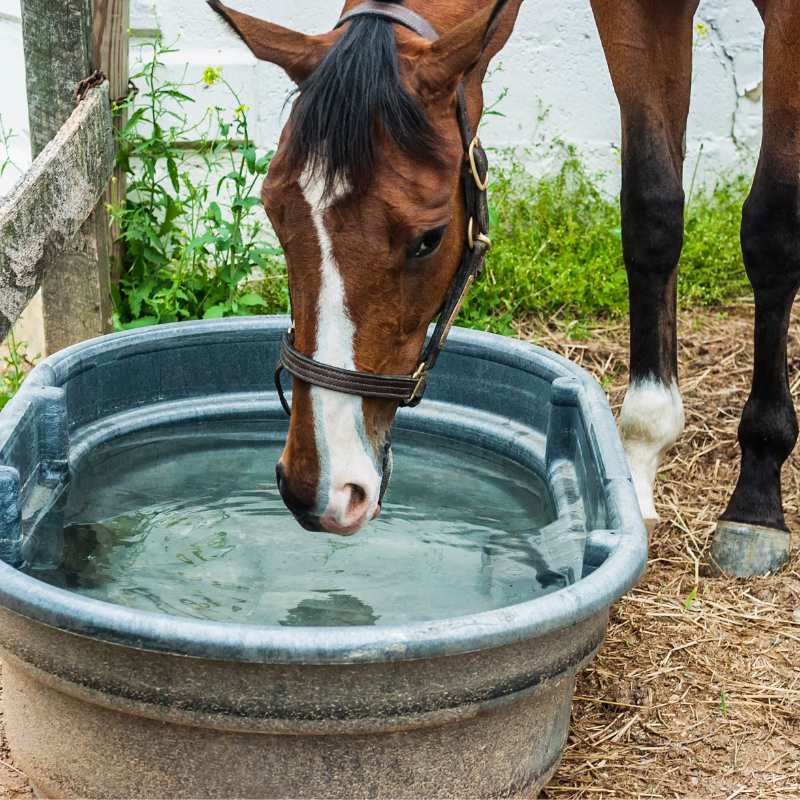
[
  {"x": 770, "y": 237},
  {"x": 652, "y": 228}
]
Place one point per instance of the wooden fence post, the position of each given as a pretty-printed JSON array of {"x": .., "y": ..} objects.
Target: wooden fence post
[
  {"x": 111, "y": 20},
  {"x": 41, "y": 215},
  {"x": 59, "y": 51}
]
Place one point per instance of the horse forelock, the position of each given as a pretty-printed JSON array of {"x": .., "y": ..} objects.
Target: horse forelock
[{"x": 355, "y": 95}]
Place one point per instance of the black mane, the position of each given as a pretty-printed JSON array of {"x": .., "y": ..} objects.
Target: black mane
[{"x": 357, "y": 86}]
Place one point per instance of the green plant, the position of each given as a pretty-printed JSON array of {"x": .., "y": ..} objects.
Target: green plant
[
  {"x": 711, "y": 268},
  {"x": 16, "y": 364},
  {"x": 194, "y": 249},
  {"x": 558, "y": 247},
  {"x": 198, "y": 245},
  {"x": 5, "y": 153}
]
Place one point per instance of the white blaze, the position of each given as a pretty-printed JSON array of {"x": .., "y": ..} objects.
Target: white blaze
[
  {"x": 650, "y": 422},
  {"x": 338, "y": 418}
]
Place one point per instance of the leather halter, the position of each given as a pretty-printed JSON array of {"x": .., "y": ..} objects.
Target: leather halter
[{"x": 409, "y": 389}]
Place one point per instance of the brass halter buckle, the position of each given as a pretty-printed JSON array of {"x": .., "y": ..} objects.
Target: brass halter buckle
[
  {"x": 474, "y": 167},
  {"x": 421, "y": 374},
  {"x": 481, "y": 237}
]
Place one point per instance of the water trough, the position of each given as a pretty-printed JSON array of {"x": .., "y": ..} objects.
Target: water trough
[{"x": 103, "y": 700}]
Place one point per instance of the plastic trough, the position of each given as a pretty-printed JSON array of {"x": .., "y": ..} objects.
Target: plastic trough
[{"x": 106, "y": 701}]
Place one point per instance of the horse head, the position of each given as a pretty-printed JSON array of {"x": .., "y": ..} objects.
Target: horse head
[{"x": 365, "y": 194}]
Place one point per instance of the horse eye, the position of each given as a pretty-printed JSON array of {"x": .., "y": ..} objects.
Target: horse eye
[{"x": 426, "y": 244}]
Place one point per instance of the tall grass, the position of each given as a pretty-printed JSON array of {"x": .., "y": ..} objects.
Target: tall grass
[{"x": 558, "y": 248}]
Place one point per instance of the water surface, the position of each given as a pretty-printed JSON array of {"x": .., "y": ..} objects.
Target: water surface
[{"x": 190, "y": 523}]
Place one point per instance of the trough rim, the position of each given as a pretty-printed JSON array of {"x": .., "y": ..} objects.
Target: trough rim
[{"x": 163, "y": 633}]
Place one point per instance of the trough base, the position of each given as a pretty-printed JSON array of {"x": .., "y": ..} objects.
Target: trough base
[{"x": 71, "y": 749}]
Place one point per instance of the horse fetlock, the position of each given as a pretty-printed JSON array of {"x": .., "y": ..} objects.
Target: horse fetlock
[
  {"x": 651, "y": 421},
  {"x": 768, "y": 428}
]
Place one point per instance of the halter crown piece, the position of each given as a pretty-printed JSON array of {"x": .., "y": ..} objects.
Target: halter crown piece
[{"x": 409, "y": 389}]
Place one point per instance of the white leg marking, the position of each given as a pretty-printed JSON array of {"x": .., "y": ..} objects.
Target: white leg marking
[
  {"x": 651, "y": 421},
  {"x": 338, "y": 418}
]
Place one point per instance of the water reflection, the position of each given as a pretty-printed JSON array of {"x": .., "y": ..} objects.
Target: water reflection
[{"x": 330, "y": 611}]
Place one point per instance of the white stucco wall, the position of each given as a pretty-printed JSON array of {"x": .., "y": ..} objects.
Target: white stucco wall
[
  {"x": 13, "y": 108},
  {"x": 553, "y": 63}
]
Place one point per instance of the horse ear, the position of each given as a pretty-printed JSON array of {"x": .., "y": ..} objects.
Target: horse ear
[
  {"x": 297, "y": 53},
  {"x": 457, "y": 53}
]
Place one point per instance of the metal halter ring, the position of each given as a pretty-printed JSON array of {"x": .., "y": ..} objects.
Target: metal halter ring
[
  {"x": 474, "y": 167},
  {"x": 481, "y": 237},
  {"x": 422, "y": 374}
]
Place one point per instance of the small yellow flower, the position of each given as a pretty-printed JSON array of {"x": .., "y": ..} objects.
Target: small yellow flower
[
  {"x": 239, "y": 111},
  {"x": 702, "y": 30},
  {"x": 211, "y": 75}
]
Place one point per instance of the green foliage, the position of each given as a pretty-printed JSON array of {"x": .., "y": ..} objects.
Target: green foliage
[
  {"x": 198, "y": 245},
  {"x": 711, "y": 268},
  {"x": 14, "y": 367},
  {"x": 5, "y": 156},
  {"x": 558, "y": 247},
  {"x": 196, "y": 241}
]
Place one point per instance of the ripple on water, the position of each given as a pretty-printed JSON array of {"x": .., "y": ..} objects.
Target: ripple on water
[{"x": 191, "y": 524}]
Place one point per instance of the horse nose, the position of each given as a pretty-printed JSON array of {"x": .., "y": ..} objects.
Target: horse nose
[
  {"x": 349, "y": 509},
  {"x": 301, "y": 509}
]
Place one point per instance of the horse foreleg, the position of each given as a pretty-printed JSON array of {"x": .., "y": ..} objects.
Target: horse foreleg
[
  {"x": 648, "y": 46},
  {"x": 752, "y": 537}
]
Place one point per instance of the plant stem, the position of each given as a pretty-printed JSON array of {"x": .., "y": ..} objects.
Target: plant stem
[{"x": 691, "y": 187}]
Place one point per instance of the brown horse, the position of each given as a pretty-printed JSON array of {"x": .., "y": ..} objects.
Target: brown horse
[{"x": 365, "y": 193}]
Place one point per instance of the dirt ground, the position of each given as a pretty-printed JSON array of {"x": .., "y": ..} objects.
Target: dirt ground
[{"x": 696, "y": 692}]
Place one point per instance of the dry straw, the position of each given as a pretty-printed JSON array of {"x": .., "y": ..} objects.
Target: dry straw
[{"x": 696, "y": 692}]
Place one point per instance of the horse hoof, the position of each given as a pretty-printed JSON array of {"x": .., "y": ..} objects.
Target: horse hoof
[
  {"x": 650, "y": 525},
  {"x": 745, "y": 550}
]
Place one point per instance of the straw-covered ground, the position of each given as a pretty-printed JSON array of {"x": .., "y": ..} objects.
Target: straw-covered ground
[{"x": 696, "y": 692}]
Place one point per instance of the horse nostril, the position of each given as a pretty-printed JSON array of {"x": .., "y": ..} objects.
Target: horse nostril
[{"x": 358, "y": 499}]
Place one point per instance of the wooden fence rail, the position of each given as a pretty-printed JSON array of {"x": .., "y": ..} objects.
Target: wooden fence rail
[{"x": 46, "y": 209}]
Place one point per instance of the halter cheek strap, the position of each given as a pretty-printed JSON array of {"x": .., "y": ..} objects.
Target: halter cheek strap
[{"x": 409, "y": 389}]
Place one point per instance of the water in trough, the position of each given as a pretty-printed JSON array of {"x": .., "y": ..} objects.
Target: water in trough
[{"x": 190, "y": 523}]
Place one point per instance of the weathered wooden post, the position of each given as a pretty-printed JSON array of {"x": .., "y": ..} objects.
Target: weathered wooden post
[
  {"x": 44, "y": 211},
  {"x": 110, "y": 20},
  {"x": 59, "y": 52}
]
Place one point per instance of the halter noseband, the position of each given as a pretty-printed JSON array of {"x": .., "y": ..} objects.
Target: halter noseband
[{"x": 409, "y": 389}]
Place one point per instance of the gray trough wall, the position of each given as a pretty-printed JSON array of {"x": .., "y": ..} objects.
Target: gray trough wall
[{"x": 542, "y": 396}]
